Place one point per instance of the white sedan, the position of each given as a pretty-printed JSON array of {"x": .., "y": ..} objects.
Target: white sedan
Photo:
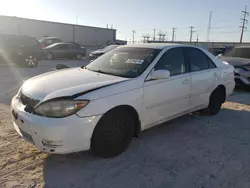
[{"x": 127, "y": 90}]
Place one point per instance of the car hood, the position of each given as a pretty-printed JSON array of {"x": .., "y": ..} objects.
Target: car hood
[
  {"x": 98, "y": 52},
  {"x": 67, "y": 82},
  {"x": 235, "y": 61}
]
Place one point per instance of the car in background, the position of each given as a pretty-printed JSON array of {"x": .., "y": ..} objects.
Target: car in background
[
  {"x": 25, "y": 51},
  {"x": 132, "y": 88},
  {"x": 63, "y": 50},
  {"x": 239, "y": 57},
  {"x": 46, "y": 41},
  {"x": 97, "y": 53}
]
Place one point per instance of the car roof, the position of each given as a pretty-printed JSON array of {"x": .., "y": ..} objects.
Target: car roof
[
  {"x": 242, "y": 47},
  {"x": 153, "y": 45},
  {"x": 50, "y": 38}
]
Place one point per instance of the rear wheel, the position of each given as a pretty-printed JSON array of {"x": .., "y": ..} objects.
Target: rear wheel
[
  {"x": 113, "y": 133},
  {"x": 216, "y": 100}
]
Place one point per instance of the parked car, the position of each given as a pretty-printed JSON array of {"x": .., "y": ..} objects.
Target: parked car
[
  {"x": 130, "y": 89},
  {"x": 23, "y": 50},
  {"x": 97, "y": 53},
  {"x": 46, "y": 41},
  {"x": 65, "y": 50},
  {"x": 239, "y": 57}
]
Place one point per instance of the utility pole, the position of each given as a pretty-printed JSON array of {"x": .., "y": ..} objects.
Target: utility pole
[
  {"x": 154, "y": 35},
  {"x": 173, "y": 34},
  {"x": 191, "y": 33},
  {"x": 163, "y": 36},
  {"x": 133, "y": 32},
  {"x": 209, "y": 26},
  {"x": 244, "y": 21},
  {"x": 197, "y": 39}
]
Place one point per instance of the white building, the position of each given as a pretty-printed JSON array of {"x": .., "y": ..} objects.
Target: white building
[{"x": 85, "y": 35}]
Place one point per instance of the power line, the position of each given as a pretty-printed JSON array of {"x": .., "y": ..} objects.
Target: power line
[
  {"x": 133, "y": 32},
  {"x": 244, "y": 21},
  {"x": 173, "y": 34},
  {"x": 191, "y": 33}
]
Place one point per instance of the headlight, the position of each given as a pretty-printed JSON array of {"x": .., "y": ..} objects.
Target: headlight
[{"x": 60, "y": 108}]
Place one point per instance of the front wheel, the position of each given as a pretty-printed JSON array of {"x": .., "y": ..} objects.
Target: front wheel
[
  {"x": 29, "y": 62},
  {"x": 50, "y": 56},
  {"x": 112, "y": 134},
  {"x": 79, "y": 56}
]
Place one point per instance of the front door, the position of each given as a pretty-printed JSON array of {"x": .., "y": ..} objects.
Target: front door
[{"x": 166, "y": 98}]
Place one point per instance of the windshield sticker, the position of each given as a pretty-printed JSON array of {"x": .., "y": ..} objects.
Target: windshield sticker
[{"x": 135, "y": 61}]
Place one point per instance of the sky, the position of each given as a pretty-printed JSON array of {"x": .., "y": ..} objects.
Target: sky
[{"x": 141, "y": 15}]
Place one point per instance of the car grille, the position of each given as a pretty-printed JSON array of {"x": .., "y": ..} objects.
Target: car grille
[{"x": 28, "y": 102}]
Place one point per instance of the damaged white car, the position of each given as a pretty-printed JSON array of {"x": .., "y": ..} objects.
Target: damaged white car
[{"x": 127, "y": 90}]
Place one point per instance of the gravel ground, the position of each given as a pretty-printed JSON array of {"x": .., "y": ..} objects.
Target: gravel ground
[{"x": 191, "y": 151}]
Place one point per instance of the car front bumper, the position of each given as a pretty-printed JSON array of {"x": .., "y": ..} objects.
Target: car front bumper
[
  {"x": 53, "y": 135},
  {"x": 242, "y": 77}
]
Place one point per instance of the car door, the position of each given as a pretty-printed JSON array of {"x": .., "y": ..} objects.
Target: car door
[
  {"x": 204, "y": 76},
  {"x": 166, "y": 98},
  {"x": 60, "y": 50},
  {"x": 72, "y": 50}
]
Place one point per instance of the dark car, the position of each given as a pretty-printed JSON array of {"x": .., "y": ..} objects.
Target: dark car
[
  {"x": 46, "y": 41},
  {"x": 239, "y": 57},
  {"x": 23, "y": 50},
  {"x": 65, "y": 50},
  {"x": 95, "y": 54}
]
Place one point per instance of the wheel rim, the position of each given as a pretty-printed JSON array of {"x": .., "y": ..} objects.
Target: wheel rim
[
  {"x": 30, "y": 61},
  {"x": 79, "y": 56},
  {"x": 49, "y": 56}
]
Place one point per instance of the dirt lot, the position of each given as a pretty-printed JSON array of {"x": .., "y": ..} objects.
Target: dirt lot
[{"x": 191, "y": 151}]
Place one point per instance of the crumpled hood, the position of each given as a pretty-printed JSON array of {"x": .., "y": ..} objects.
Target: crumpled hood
[
  {"x": 235, "y": 61},
  {"x": 98, "y": 52},
  {"x": 66, "y": 82}
]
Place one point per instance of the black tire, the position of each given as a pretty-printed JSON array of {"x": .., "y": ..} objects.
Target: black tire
[
  {"x": 215, "y": 102},
  {"x": 50, "y": 56},
  {"x": 112, "y": 134},
  {"x": 79, "y": 56}
]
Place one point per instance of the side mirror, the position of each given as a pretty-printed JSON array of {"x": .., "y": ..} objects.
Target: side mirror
[
  {"x": 61, "y": 66},
  {"x": 160, "y": 74}
]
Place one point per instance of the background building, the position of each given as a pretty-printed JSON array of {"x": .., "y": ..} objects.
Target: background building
[{"x": 85, "y": 35}]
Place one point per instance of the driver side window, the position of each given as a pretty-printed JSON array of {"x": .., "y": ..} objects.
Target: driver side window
[{"x": 172, "y": 60}]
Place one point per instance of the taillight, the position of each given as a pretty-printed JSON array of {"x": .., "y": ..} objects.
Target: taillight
[{"x": 42, "y": 46}]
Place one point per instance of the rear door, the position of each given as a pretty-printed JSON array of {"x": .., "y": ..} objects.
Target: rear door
[{"x": 204, "y": 76}]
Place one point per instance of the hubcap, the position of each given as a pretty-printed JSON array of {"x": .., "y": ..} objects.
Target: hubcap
[
  {"x": 49, "y": 56},
  {"x": 30, "y": 61},
  {"x": 79, "y": 56}
]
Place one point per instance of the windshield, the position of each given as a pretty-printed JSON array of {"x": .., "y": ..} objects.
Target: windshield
[
  {"x": 239, "y": 52},
  {"x": 126, "y": 62}
]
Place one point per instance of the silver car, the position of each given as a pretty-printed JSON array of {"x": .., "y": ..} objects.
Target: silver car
[
  {"x": 239, "y": 57},
  {"x": 65, "y": 50}
]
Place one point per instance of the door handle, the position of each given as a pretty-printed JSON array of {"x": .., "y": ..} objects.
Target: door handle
[{"x": 186, "y": 81}]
